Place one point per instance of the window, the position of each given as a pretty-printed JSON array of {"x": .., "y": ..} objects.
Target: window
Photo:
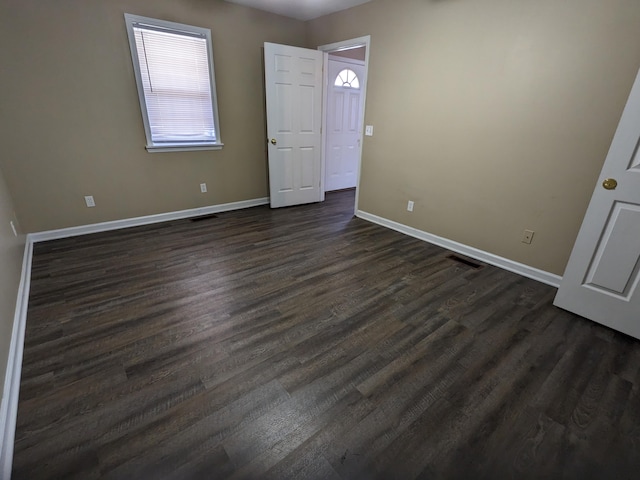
[
  {"x": 173, "y": 66},
  {"x": 347, "y": 78}
]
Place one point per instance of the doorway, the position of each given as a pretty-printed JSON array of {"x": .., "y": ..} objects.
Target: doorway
[
  {"x": 344, "y": 99},
  {"x": 342, "y": 144}
]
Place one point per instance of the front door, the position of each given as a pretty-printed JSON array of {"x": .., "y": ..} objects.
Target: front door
[
  {"x": 293, "y": 87},
  {"x": 343, "y": 124},
  {"x": 601, "y": 281}
]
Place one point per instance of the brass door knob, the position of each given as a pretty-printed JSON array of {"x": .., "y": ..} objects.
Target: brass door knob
[
  {"x": 610, "y": 184},
  {"x": 273, "y": 141}
]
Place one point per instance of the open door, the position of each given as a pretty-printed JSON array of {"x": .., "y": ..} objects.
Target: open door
[
  {"x": 293, "y": 84},
  {"x": 601, "y": 281}
]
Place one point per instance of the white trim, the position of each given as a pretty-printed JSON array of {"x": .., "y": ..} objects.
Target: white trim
[
  {"x": 9, "y": 405},
  {"x": 323, "y": 128},
  {"x": 504, "y": 263},
  {"x": 11, "y": 389},
  {"x": 332, "y": 47},
  {"x": 192, "y": 147},
  {"x": 347, "y": 44},
  {"x": 352, "y": 61},
  {"x": 146, "y": 220},
  {"x": 9, "y": 408},
  {"x": 130, "y": 20}
]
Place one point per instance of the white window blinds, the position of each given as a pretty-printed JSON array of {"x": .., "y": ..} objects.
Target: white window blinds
[{"x": 175, "y": 83}]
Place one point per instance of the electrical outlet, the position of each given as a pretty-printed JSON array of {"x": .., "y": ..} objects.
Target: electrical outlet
[
  {"x": 410, "y": 206},
  {"x": 203, "y": 188},
  {"x": 368, "y": 131},
  {"x": 88, "y": 199},
  {"x": 527, "y": 236},
  {"x": 13, "y": 227}
]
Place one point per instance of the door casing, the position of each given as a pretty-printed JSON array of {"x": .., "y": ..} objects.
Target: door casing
[
  {"x": 364, "y": 41},
  {"x": 357, "y": 66}
]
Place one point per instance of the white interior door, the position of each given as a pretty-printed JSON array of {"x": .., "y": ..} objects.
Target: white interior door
[
  {"x": 602, "y": 276},
  {"x": 343, "y": 124},
  {"x": 293, "y": 83}
]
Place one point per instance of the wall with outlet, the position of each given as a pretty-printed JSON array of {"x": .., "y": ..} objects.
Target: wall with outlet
[
  {"x": 11, "y": 253},
  {"x": 499, "y": 123},
  {"x": 73, "y": 126},
  {"x": 494, "y": 117}
]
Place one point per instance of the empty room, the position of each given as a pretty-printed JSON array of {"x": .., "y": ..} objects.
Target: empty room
[{"x": 319, "y": 239}]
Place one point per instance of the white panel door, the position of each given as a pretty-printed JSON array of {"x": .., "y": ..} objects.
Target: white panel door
[
  {"x": 601, "y": 281},
  {"x": 343, "y": 126},
  {"x": 293, "y": 84}
]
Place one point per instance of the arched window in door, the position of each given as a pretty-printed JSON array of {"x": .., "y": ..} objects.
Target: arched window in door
[{"x": 347, "y": 78}]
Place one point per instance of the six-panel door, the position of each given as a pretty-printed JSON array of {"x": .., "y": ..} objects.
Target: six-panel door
[
  {"x": 293, "y": 84},
  {"x": 602, "y": 278}
]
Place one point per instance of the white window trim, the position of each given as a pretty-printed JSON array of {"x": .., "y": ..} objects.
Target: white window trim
[{"x": 152, "y": 147}]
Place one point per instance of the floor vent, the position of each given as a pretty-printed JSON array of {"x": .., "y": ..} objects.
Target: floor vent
[
  {"x": 465, "y": 261},
  {"x": 204, "y": 217}
]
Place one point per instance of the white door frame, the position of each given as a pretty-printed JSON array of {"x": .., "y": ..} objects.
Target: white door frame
[
  {"x": 331, "y": 107},
  {"x": 334, "y": 47}
]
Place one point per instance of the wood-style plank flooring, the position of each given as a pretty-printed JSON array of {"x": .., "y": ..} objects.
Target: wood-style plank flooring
[{"x": 304, "y": 343}]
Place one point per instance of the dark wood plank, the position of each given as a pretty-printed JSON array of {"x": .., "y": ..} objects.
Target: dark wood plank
[{"x": 306, "y": 343}]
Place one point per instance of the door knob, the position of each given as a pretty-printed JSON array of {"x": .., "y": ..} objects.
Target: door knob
[
  {"x": 273, "y": 141},
  {"x": 610, "y": 184}
]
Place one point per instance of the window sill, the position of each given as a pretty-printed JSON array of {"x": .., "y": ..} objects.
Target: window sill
[{"x": 183, "y": 148}]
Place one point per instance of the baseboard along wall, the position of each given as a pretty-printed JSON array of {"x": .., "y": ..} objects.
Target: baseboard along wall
[
  {"x": 146, "y": 220},
  {"x": 9, "y": 406},
  {"x": 11, "y": 388},
  {"x": 504, "y": 263}
]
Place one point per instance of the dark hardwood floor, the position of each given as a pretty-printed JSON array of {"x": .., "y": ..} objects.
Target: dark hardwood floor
[{"x": 303, "y": 343}]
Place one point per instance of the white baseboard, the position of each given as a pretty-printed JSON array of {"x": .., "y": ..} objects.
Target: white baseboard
[
  {"x": 9, "y": 409},
  {"x": 146, "y": 220},
  {"x": 9, "y": 406},
  {"x": 11, "y": 388},
  {"x": 504, "y": 263}
]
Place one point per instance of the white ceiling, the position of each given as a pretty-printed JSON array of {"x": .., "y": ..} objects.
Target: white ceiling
[{"x": 300, "y": 9}]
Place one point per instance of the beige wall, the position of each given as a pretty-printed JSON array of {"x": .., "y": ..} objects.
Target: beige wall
[
  {"x": 71, "y": 125},
  {"x": 11, "y": 253},
  {"x": 494, "y": 116}
]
